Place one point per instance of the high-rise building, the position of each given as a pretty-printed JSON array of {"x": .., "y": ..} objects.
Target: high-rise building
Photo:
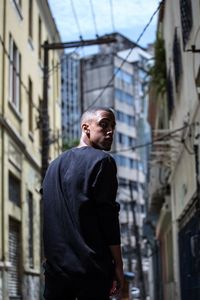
[
  {"x": 116, "y": 77},
  {"x": 71, "y": 108},
  {"x": 124, "y": 92}
]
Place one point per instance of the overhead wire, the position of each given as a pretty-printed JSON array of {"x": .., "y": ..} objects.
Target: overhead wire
[
  {"x": 112, "y": 15},
  {"x": 78, "y": 24},
  {"x": 76, "y": 19},
  {"x": 163, "y": 137},
  {"x": 96, "y": 32},
  {"x": 127, "y": 56},
  {"x": 94, "y": 18},
  {"x": 123, "y": 62}
]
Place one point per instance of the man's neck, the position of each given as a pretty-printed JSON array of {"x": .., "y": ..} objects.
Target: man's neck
[{"x": 83, "y": 143}]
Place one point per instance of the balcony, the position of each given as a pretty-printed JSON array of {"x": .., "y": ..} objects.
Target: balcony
[{"x": 162, "y": 159}]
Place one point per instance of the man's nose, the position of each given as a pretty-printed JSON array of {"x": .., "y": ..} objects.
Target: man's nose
[{"x": 110, "y": 130}]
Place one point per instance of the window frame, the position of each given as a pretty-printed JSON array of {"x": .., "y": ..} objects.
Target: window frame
[
  {"x": 14, "y": 75},
  {"x": 30, "y": 105},
  {"x": 30, "y": 202},
  {"x": 12, "y": 177},
  {"x": 39, "y": 38},
  {"x": 186, "y": 20},
  {"x": 30, "y": 19}
]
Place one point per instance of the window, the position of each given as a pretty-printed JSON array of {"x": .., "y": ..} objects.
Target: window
[
  {"x": 177, "y": 58},
  {"x": 124, "y": 97},
  {"x": 30, "y": 229},
  {"x": 39, "y": 38},
  {"x": 142, "y": 208},
  {"x": 134, "y": 185},
  {"x": 30, "y": 19},
  {"x": 30, "y": 105},
  {"x": 131, "y": 120},
  {"x": 125, "y": 140},
  {"x": 120, "y": 138},
  {"x": 119, "y": 116},
  {"x": 14, "y": 274},
  {"x": 14, "y": 189},
  {"x": 127, "y": 162},
  {"x": 14, "y": 75},
  {"x": 170, "y": 95},
  {"x": 128, "y": 119},
  {"x": 186, "y": 19},
  {"x": 140, "y": 166},
  {"x": 121, "y": 160},
  {"x": 131, "y": 141},
  {"x": 123, "y": 182},
  {"x": 124, "y": 76},
  {"x": 124, "y": 228},
  {"x": 40, "y": 121}
]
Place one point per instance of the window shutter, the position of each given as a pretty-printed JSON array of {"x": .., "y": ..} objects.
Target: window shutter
[{"x": 14, "y": 275}]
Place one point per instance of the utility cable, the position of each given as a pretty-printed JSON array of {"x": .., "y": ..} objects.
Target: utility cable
[
  {"x": 76, "y": 19},
  {"x": 127, "y": 56},
  {"x": 94, "y": 18},
  {"x": 123, "y": 61},
  {"x": 190, "y": 152},
  {"x": 163, "y": 137},
  {"x": 112, "y": 15}
]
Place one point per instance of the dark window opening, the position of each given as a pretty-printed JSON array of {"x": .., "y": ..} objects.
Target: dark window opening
[
  {"x": 186, "y": 19},
  {"x": 14, "y": 274},
  {"x": 177, "y": 58},
  {"x": 14, "y": 189},
  {"x": 30, "y": 229},
  {"x": 170, "y": 95}
]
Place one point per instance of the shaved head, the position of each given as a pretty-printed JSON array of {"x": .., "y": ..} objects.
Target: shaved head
[
  {"x": 97, "y": 128},
  {"x": 88, "y": 115}
]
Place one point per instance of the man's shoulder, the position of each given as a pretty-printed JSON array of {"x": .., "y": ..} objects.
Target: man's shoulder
[
  {"x": 97, "y": 154},
  {"x": 80, "y": 155},
  {"x": 59, "y": 159}
]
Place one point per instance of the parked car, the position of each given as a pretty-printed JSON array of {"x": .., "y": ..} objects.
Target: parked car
[{"x": 135, "y": 293}]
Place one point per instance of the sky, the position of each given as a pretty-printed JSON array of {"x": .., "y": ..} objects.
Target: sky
[{"x": 86, "y": 18}]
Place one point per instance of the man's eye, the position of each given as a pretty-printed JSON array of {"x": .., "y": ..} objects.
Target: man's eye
[{"x": 104, "y": 124}]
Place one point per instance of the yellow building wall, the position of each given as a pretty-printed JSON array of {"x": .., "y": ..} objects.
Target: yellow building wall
[{"x": 20, "y": 150}]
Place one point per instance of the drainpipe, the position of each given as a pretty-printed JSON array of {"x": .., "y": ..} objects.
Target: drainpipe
[{"x": 196, "y": 154}]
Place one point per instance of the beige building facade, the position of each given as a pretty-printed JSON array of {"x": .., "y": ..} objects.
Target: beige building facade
[
  {"x": 174, "y": 183},
  {"x": 24, "y": 26}
]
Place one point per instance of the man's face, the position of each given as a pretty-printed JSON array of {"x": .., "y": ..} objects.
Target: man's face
[{"x": 101, "y": 129}]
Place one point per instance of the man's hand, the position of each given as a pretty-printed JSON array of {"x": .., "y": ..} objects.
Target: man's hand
[{"x": 119, "y": 275}]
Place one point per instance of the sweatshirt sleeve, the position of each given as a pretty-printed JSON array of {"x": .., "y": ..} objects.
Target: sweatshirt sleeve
[{"x": 104, "y": 192}]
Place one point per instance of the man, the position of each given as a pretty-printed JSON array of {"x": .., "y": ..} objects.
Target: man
[{"x": 81, "y": 226}]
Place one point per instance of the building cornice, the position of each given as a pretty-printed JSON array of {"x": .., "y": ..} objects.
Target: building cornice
[{"x": 49, "y": 20}]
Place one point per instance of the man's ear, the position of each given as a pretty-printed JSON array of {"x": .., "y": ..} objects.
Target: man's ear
[{"x": 85, "y": 128}]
